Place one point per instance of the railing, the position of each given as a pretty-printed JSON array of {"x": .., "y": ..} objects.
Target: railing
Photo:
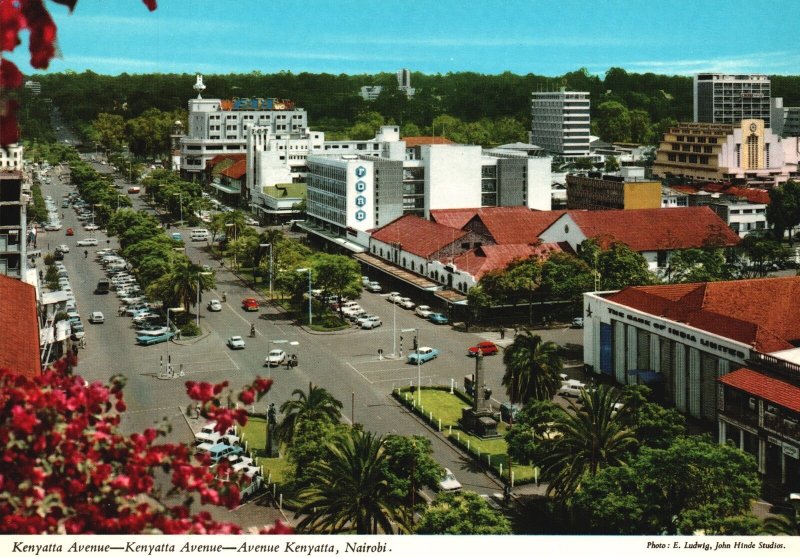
[
  {"x": 776, "y": 363},
  {"x": 746, "y": 416},
  {"x": 782, "y": 426}
]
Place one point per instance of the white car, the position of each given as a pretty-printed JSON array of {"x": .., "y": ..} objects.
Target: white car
[
  {"x": 374, "y": 286},
  {"x": 97, "y": 317},
  {"x": 250, "y": 221},
  {"x": 424, "y": 311},
  {"x": 236, "y": 343},
  {"x": 87, "y": 242},
  {"x": 449, "y": 482},
  {"x": 369, "y": 322},
  {"x": 52, "y": 226},
  {"x": 275, "y": 358},
  {"x": 406, "y": 303},
  {"x": 91, "y": 226},
  {"x": 350, "y": 311},
  {"x": 214, "y": 305},
  {"x": 393, "y": 297},
  {"x": 571, "y": 387},
  {"x": 63, "y": 248}
]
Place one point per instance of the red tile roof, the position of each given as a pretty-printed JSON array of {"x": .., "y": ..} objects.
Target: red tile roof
[
  {"x": 417, "y": 235},
  {"x": 481, "y": 260},
  {"x": 236, "y": 170},
  {"x": 20, "y": 326},
  {"x": 454, "y": 218},
  {"x": 763, "y": 386},
  {"x": 657, "y": 229},
  {"x": 216, "y": 159},
  {"x": 507, "y": 225},
  {"x": 760, "y": 312},
  {"x": 753, "y": 195},
  {"x": 413, "y": 141}
]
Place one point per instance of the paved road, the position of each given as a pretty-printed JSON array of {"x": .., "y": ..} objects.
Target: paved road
[{"x": 344, "y": 363}]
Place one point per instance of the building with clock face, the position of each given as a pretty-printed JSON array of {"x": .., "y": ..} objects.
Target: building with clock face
[{"x": 747, "y": 152}]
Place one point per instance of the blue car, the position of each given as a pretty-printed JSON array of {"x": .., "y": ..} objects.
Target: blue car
[
  {"x": 422, "y": 355},
  {"x": 438, "y": 319}
]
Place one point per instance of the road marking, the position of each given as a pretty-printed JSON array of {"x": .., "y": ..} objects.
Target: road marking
[{"x": 231, "y": 359}]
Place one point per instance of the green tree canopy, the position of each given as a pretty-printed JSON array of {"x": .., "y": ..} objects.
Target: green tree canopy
[
  {"x": 410, "y": 466},
  {"x": 619, "y": 266},
  {"x": 462, "y": 513},
  {"x": 783, "y": 211},
  {"x": 613, "y": 122},
  {"x": 693, "y": 484}
]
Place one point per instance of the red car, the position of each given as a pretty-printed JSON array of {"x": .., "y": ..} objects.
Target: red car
[
  {"x": 250, "y": 304},
  {"x": 70, "y": 232},
  {"x": 486, "y": 347}
]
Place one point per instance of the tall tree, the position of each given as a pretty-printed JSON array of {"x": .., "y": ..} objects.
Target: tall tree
[
  {"x": 618, "y": 266},
  {"x": 783, "y": 211},
  {"x": 409, "y": 467},
  {"x": 338, "y": 275},
  {"x": 532, "y": 368},
  {"x": 613, "y": 121},
  {"x": 591, "y": 437},
  {"x": 350, "y": 491}
]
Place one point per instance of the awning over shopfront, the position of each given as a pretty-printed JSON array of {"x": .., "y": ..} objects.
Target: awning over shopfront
[{"x": 225, "y": 189}]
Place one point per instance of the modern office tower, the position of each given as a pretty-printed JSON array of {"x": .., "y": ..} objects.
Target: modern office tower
[
  {"x": 13, "y": 241},
  {"x": 729, "y": 99},
  {"x": 560, "y": 122},
  {"x": 785, "y": 119}
]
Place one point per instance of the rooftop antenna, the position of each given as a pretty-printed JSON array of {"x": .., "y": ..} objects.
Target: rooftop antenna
[{"x": 198, "y": 86}]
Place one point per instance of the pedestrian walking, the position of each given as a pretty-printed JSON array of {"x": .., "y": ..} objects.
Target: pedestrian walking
[{"x": 502, "y": 333}]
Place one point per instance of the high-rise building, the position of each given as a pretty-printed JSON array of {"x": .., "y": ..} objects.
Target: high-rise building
[
  {"x": 785, "y": 119},
  {"x": 729, "y": 99},
  {"x": 560, "y": 122},
  {"x": 220, "y": 126},
  {"x": 13, "y": 240}
]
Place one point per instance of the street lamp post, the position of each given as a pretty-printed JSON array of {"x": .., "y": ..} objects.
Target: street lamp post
[
  {"x": 270, "y": 267},
  {"x": 169, "y": 329},
  {"x": 118, "y": 196},
  {"x": 130, "y": 172},
  {"x": 303, "y": 270},
  {"x": 205, "y": 274},
  {"x": 180, "y": 197},
  {"x": 228, "y": 225},
  {"x": 419, "y": 371}
]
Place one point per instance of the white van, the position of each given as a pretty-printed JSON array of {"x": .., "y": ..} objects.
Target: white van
[{"x": 199, "y": 235}]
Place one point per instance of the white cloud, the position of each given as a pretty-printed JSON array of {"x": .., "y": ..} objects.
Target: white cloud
[
  {"x": 255, "y": 54},
  {"x": 760, "y": 62},
  {"x": 486, "y": 42}
]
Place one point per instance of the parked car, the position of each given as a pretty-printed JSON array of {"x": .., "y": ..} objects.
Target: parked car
[
  {"x": 97, "y": 317},
  {"x": 406, "y": 303},
  {"x": 235, "y": 343},
  {"x": 438, "y": 319},
  {"x": 70, "y": 232},
  {"x": 52, "y": 226},
  {"x": 250, "y": 221},
  {"x": 87, "y": 242},
  {"x": 424, "y": 311},
  {"x": 449, "y": 482},
  {"x": 250, "y": 304},
  {"x": 487, "y": 348},
  {"x": 373, "y": 286},
  {"x": 214, "y": 305},
  {"x": 133, "y": 189},
  {"x": 393, "y": 297},
  {"x": 63, "y": 248},
  {"x": 220, "y": 450},
  {"x": 177, "y": 236},
  {"x": 91, "y": 226},
  {"x": 365, "y": 280},
  {"x": 423, "y": 354},
  {"x": 577, "y": 323},
  {"x": 571, "y": 387},
  {"x": 369, "y": 322},
  {"x": 275, "y": 358}
]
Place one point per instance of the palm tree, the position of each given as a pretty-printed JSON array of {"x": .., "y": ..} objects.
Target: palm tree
[
  {"x": 532, "y": 368},
  {"x": 350, "y": 489},
  {"x": 179, "y": 284},
  {"x": 588, "y": 439},
  {"x": 317, "y": 405}
]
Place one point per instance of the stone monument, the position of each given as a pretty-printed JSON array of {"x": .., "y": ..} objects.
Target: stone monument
[{"x": 480, "y": 420}]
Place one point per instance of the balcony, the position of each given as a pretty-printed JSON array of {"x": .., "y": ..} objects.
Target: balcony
[
  {"x": 742, "y": 415},
  {"x": 787, "y": 427}
]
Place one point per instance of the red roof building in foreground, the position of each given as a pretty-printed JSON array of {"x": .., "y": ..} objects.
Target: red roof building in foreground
[{"x": 20, "y": 326}]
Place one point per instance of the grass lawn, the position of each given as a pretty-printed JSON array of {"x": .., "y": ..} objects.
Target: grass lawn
[
  {"x": 254, "y": 432},
  {"x": 448, "y": 407}
]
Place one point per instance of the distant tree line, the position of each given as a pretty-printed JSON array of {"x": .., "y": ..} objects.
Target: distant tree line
[{"x": 625, "y": 106}]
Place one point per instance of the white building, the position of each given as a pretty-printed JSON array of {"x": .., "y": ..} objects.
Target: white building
[
  {"x": 11, "y": 157},
  {"x": 380, "y": 189},
  {"x": 731, "y": 98},
  {"x": 741, "y": 216},
  {"x": 560, "y": 122},
  {"x": 221, "y": 126}
]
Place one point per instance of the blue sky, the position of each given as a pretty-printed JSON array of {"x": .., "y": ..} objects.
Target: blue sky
[{"x": 545, "y": 37}]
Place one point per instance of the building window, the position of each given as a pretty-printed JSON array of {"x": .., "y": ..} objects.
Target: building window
[
  {"x": 752, "y": 151},
  {"x": 661, "y": 258}
]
